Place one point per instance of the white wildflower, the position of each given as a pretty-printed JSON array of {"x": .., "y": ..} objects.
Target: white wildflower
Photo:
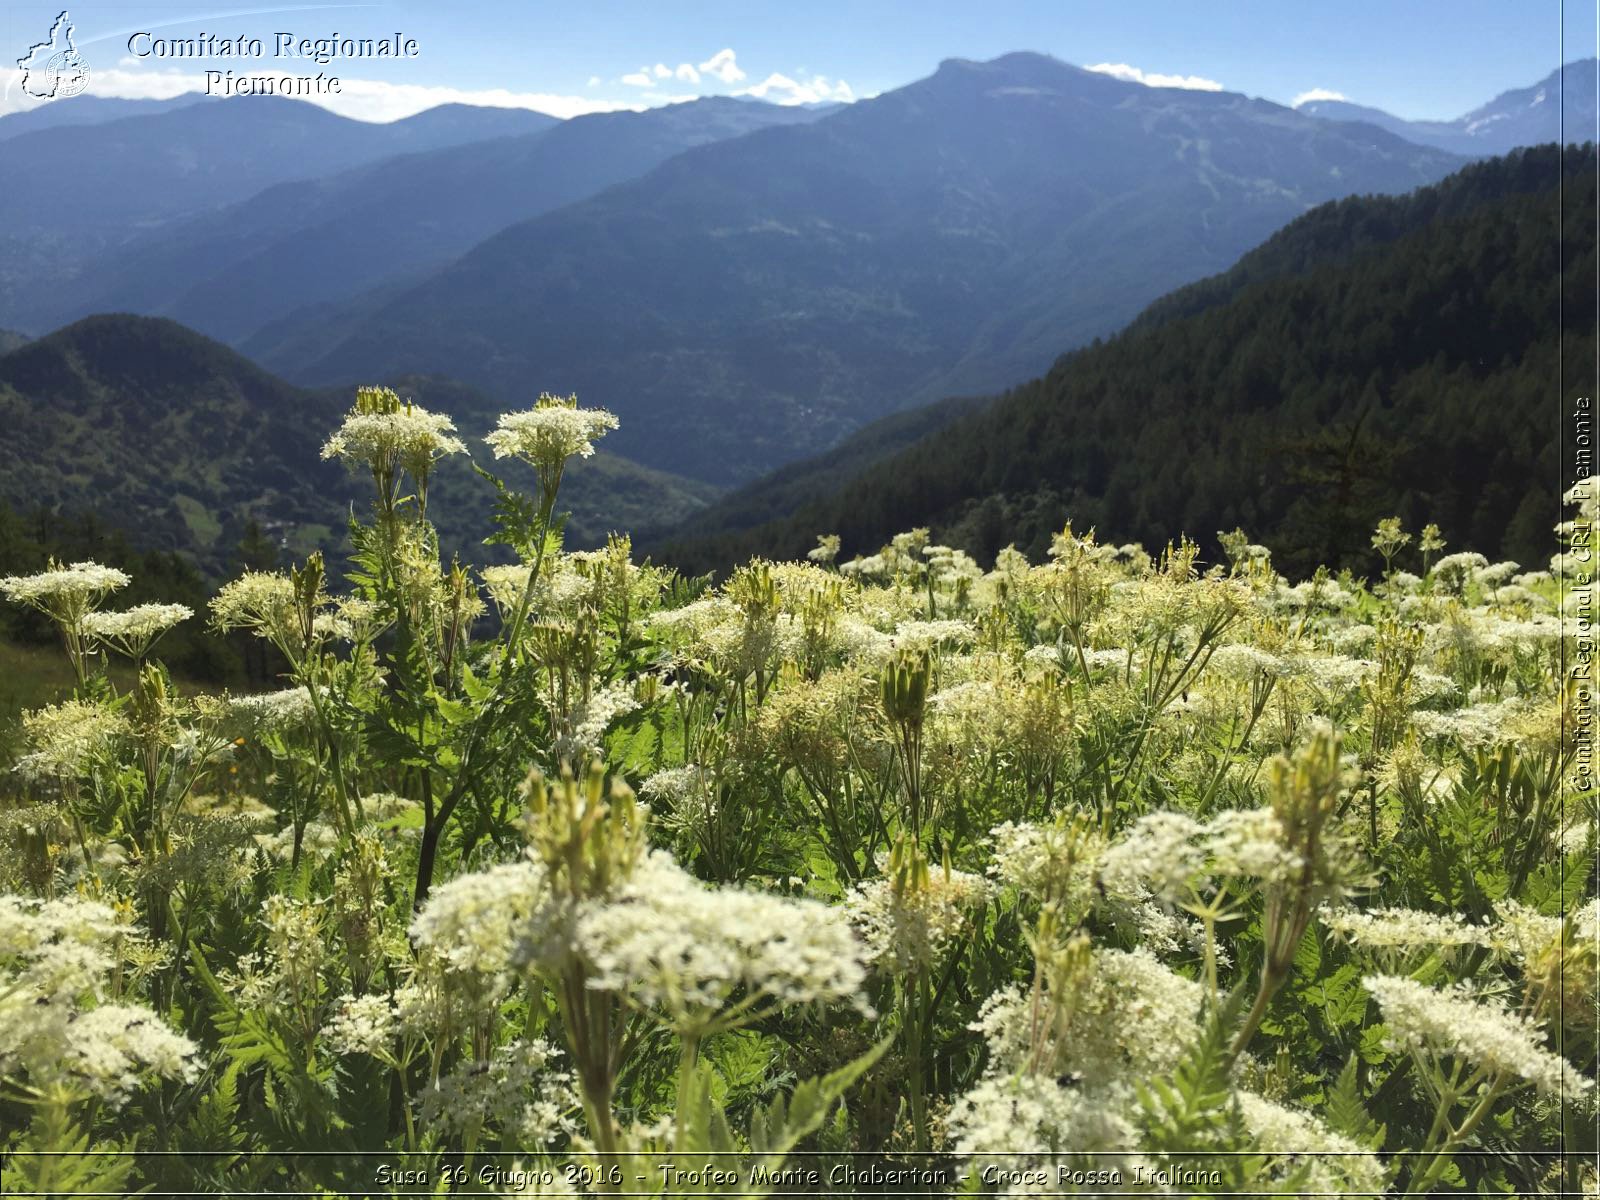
[
  {"x": 1128, "y": 1018},
  {"x": 65, "y": 740},
  {"x": 1454, "y": 1023},
  {"x": 1249, "y": 843},
  {"x": 1455, "y": 569},
  {"x": 1479, "y": 726},
  {"x": 476, "y": 921},
  {"x": 1335, "y": 675},
  {"x": 517, "y": 1091},
  {"x": 1387, "y": 927},
  {"x": 55, "y": 961},
  {"x": 826, "y": 549},
  {"x": 381, "y": 431},
  {"x": 273, "y": 712},
  {"x": 1524, "y": 933},
  {"x": 1057, "y": 861},
  {"x": 550, "y": 432},
  {"x": 65, "y": 593},
  {"x": 1585, "y": 494},
  {"x": 911, "y": 926},
  {"x": 1338, "y": 1165},
  {"x": 1115, "y": 659},
  {"x": 588, "y": 724},
  {"x": 260, "y": 601},
  {"x": 1244, "y": 662},
  {"x": 362, "y": 1025},
  {"x": 1015, "y": 1114},
  {"x": 926, "y": 635},
  {"x": 683, "y": 797},
  {"x": 133, "y": 631},
  {"x": 669, "y": 942},
  {"x": 1159, "y": 851}
]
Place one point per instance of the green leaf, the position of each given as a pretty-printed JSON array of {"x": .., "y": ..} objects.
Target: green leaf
[
  {"x": 1193, "y": 1109},
  {"x": 476, "y": 689},
  {"x": 775, "y": 1130},
  {"x": 1308, "y": 956},
  {"x": 1347, "y": 1114},
  {"x": 452, "y": 712}
]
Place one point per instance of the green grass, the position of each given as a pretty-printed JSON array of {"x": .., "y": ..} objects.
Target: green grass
[
  {"x": 30, "y": 677},
  {"x": 202, "y": 522},
  {"x": 34, "y": 676}
]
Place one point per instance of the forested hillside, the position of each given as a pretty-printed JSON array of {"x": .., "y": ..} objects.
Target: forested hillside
[
  {"x": 1379, "y": 356},
  {"x": 182, "y": 442}
]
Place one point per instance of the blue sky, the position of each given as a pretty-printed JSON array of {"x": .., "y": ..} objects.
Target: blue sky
[{"x": 1416, "y": 59}]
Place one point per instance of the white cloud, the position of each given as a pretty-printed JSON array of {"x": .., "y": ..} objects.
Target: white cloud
[
  {"x": 1150, "y": 79},
  {"x": 362, "y": 99},
  {"x": 594, "y": 81},
  {"x": 650, "y": 76},
  {"x": 374, "y": 100},
  {"x": 722, "y": 66},
  {"x": 1317, "y": 94},
  {"x": 780, "y": 89}
]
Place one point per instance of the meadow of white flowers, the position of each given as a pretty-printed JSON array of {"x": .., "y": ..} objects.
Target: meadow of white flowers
[{"x": 1112, "y": 873}]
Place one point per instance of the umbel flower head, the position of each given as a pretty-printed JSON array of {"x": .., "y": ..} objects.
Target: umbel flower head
[
  {"x": 388, "y": 435},
  {"x": 588, "y": 896},
  {"x": 910, "y": 917},
  {"x": 261, "y": 601},
  {"x": 56, "y": 1028},
  {"x": 133, "y": 631},
  {"x": 705, "y": 960},
  {"x": 64, "y": 740},
  {"x": 1455, "y": 1024},
  {"x": 546, "y": 435},
  {"x": 66, "y": 593},
  {"x": 284, "y": 609}
]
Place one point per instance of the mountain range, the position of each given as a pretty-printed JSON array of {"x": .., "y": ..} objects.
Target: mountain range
[
  {"x": 1378, "y": 356},
  {"x": 1559, "y": 108},
  {"x": 299, "y": 245},
  {"x": 747, "y": 286},
  {"x": 76, "y": 192},
  {"x": 89, "y": 110},
  {"x": 753, "y": 300}
]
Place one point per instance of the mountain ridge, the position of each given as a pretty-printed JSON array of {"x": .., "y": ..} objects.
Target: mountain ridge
[
  {"x": 76, "y": 192},
  {"x": 1523, "y": 116},
  {"x": 303, "y": 243},
  {"x": 951, "y": 235}
]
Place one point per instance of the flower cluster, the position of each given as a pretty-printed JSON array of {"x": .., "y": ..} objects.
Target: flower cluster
[
  {"x": 910, "y": 917},
  {"x": 712, "y": 959},
  {"x": 552, "y": 431},
  {"x": 133, "y": 631},
  {"x": 384, "y": 433},
  {"x": 59, "y": 1024},
  {"x": 1454, "y": 1023},
  {"x": 66, "y": 593}
]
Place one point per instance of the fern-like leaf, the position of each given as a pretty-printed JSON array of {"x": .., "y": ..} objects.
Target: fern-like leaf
[{"x": 1347, "y": 1114}]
